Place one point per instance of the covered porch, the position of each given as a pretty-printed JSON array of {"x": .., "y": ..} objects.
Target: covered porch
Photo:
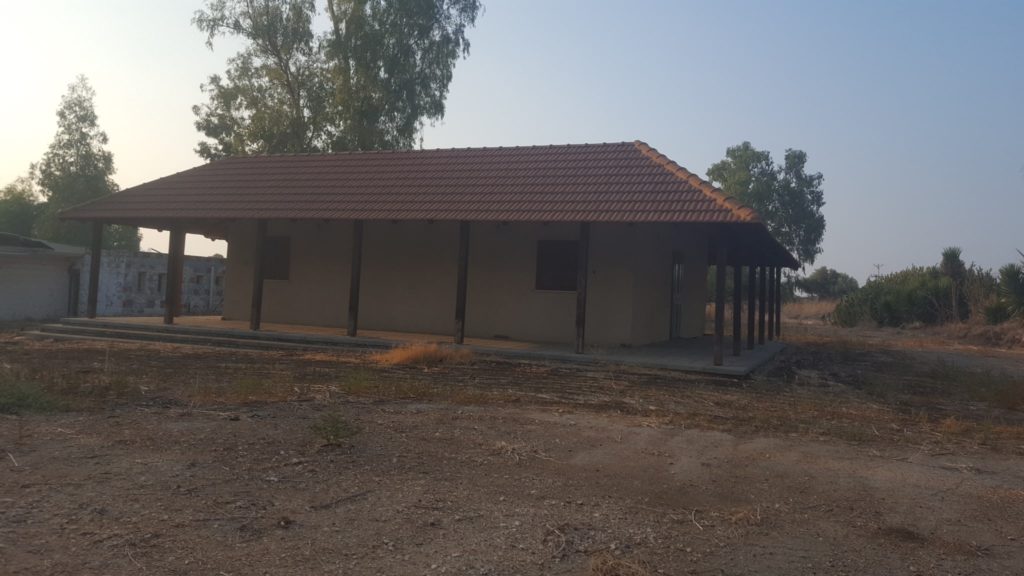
[{"x": 690, "y": 355}]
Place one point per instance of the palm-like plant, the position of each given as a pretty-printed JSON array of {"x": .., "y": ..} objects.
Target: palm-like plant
[
  {"x": 952, "y": 266},
  {"x": 1011, "y": 287}
]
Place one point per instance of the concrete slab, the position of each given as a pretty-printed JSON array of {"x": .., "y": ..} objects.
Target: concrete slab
[{"x": 691, "y": 355}]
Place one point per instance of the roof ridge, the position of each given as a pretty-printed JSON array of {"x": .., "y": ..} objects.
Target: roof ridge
[
  {"x": 417, "y": 150},
  {"x": 739, "y": 209}
]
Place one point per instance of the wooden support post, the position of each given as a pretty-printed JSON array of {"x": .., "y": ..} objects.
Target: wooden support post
[
  {"x": 95, "y": 250},
  {"x": 737, "y": 309},
  {"x": 719, "y": 336},
  {"x": 778, "y": 303},
  {"x": 771, "y": 302},
  {"x": 354, "y": 277},
  {"x": 751, "y": 305},
  {"x": 173, "y": 278},
  {"x": 256, "y": 309},
  {"x": 762, "y": 286},
  {"x": 582, "y": 262},
  {"x": 460, "y": 288}
]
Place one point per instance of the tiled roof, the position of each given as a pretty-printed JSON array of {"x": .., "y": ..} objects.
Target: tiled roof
[{"x": 621, "y": 182}]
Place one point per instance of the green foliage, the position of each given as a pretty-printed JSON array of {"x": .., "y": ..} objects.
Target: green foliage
[
  {"x": 369, "y": 82},
  {"x": 75, "y": 169},
  {"x": 913, "y": 296},
  {"x": 997, "y": 312},
  {"x": 827, "y": 283},
  {"x": 21, "y": 398},
  {"x": 1011, "y": 288},
  {"x": 788, "y": 198},
  {"x": 19, "y": 207},
  {"x": 333, "y": 428}
]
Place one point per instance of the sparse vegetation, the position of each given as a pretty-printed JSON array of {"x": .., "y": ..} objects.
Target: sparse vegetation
[
  {"x": 605, "y": 563},
  {"x": 24, "y": 397},
  {"x": 423, "y": 355},
  {"x": 333, "y": 428}
]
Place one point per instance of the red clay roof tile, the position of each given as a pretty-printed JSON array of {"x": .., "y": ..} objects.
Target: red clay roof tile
[{"x": 622, "y": 182}]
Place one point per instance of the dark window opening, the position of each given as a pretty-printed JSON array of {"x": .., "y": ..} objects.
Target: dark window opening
[
  {"x": 161, "y": 282},
  {"x": 277, "y": 257},
  {"x": 198, "y": 279},
  {"x": 557, "y": 262},
  {"x": 140, "y": 282},
  {"x": 218, "y": 280}
]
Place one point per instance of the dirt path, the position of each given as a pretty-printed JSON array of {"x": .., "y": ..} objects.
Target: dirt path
[
  {"x": 175, "y": 460},
  {"x": 426, "y": 489}
]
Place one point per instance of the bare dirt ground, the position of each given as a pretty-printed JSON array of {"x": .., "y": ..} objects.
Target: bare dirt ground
[{"x": 846, "y": 456}]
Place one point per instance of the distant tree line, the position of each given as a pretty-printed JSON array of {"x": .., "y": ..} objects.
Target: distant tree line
[
  {"x": 949, "y": 291},
  {"x": 76, "y": 168}
]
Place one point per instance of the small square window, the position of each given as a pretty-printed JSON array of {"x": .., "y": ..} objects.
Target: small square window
[
  {"x": 557, "y": 264},
  {"x": 277, "y": 254},
  {"x": 198, "y": 279}
]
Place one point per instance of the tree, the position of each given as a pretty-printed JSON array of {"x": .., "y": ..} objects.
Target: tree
[
  {"x": 19, "y": 207},
  {"x": 788, "y": 198},
  {"x": 369, "y": 82},
  {"x": 75, "y": 169},
  {"x": 953, "y": 267},
  {"x": 1011, "y": 287},
  {"x": 827, "y": 283}
]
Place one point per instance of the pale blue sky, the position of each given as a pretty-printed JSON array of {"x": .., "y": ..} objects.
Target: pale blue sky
[{"x": 914, "y": 111}]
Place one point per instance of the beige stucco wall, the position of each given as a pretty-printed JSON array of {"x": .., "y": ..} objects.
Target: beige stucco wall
[
  {"x": 409, "y": 278},
  {"x": 33, "y": 287}
]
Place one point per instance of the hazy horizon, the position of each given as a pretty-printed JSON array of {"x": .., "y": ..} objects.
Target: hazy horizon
[{"x": 912, "y": 111}]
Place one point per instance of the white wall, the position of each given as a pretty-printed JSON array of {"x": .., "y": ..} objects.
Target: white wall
[{"x": 33, "y": 287}]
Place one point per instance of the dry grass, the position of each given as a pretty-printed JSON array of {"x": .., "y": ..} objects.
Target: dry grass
[
  {"x": 809, "y": 309},
  {"x": 605, "y": 564},
  {"x": 422, "y": 355}
]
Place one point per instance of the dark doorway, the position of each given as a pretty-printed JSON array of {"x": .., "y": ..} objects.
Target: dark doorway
[{"x": 74, "y": 284}]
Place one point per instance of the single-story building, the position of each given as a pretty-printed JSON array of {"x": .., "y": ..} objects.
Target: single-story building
[
  {"x": 593, "y": 244},
  {"x": 36, "y": 278}
]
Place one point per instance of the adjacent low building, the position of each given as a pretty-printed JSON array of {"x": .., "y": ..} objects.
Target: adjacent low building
[
  {"x": 36, "y": 278},
  {"x": 41, "y": 280},
  {"x": 594, "y": 244}
]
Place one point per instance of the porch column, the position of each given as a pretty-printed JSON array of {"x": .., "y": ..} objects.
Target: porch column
[
  {"x": 95, "y": 249},
  {"x": 778, "y": 303},
  {"x": 173, "y": 279},
  {"x": 771, "y": 303},
  {"x": 737, "y": 309},
  {"x": 751, "y": 304},
  {"x": 460, "y": 287},
  {"x": 256, "y": 309},
  {"x": 354, "y": 277},
  {"x": 762, "y": 282},
  {"x": 582, "y": 261},
  {"x": 719, "y": 336}
]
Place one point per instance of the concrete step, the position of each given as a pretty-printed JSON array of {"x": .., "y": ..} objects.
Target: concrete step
[
  {"x": 245, "y": 335},
  {"x": 116, "y": 334}
]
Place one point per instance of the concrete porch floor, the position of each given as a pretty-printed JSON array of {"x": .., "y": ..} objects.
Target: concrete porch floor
[{"x": 691, "y": 355}]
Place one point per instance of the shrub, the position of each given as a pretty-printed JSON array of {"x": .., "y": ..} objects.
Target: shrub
[
  {"x": 19, "y": 398},
  {"x": 333, "y": 428},
  {"x": 913, "y": 296},
  {"x": 997, "y": 312},
  {"x": 1011, "y": 288}
]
